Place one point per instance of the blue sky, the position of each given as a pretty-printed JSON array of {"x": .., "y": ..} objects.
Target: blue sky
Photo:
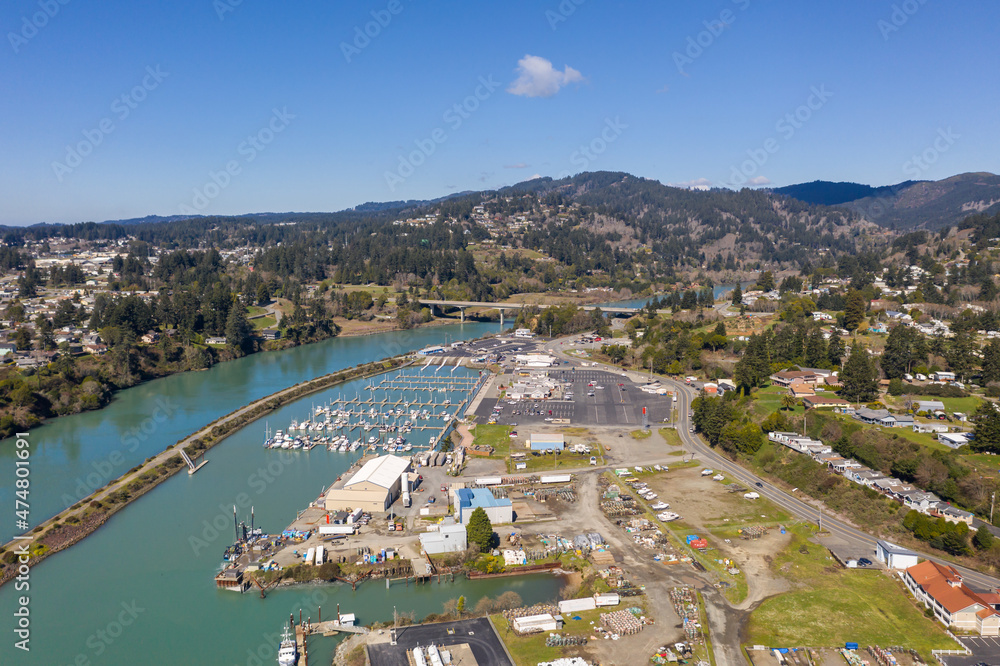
[{"x": 123, "y": 109}]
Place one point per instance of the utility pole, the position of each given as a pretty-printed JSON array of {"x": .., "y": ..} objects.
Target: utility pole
[{"x": 992, "y": 501}]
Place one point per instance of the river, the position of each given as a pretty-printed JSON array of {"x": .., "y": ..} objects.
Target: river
[{"x": 140, "y": 589}]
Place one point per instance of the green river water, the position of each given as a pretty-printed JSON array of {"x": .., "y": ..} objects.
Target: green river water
[{"x": 140, "y": 590}]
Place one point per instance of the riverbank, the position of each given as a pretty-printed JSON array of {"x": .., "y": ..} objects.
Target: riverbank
[{"x": 70, "y": 526}]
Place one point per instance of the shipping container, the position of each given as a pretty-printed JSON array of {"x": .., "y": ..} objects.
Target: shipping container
[
  {"x": 336, "y": 529},
  {"x": 489, "y": 481},
  {"x": 556, "y": 478}
]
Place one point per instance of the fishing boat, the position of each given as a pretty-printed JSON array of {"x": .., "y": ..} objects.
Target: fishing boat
[{"x": 288, "y": 651}]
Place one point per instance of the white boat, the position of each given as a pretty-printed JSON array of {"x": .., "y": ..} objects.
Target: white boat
[{"x": 288, "y": 652}]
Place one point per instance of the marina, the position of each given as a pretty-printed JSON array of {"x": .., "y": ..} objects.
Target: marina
[
  {"x": 392, "y": 413},
  {"x": 162, "y": 551}
]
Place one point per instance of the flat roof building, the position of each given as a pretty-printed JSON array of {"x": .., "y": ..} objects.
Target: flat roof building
[
  {"x": 468, "y": 500},
  {"x": 373, "y": 488},
  {"x": 450, "y": 537}
]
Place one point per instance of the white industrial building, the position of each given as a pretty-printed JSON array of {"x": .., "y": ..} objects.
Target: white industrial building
[
  {"x": 373, "y": 488},
  {"x": 450, "y": 537}
]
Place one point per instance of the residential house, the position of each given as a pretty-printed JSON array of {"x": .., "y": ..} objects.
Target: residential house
[
  {"x": 270, "y": 334},
  {"x": 953, "y": 439},
  {"x": 940, "y": 587},
  {"x": 953, "y": 514},
  {"x": 819, "y": 401},
  {"x": 880, "y": 417},
  {"x": 799, "y": 389},
  {"x": 150, "y": 337},
  {"x": 787, "y": 377},
  {"x": 921, "y": 501},
  {"x": 927, "y": 406}
]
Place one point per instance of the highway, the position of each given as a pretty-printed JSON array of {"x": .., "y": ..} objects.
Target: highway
[
  {"x": 792, "y": 504},
  {"x": 789, "y": 502}
]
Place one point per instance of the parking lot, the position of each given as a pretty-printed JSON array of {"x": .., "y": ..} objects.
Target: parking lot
[
  {"x": 598, "y": 398},
  {"x": 985, "y": 650},
  {"x": 477, "y": 633}
]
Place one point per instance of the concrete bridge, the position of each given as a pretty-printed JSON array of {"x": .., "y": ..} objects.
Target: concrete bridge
[{"x": 438, "y": 306}]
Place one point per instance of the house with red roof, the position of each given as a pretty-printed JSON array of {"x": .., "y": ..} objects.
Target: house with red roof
[{"x": 940, "y": 587}]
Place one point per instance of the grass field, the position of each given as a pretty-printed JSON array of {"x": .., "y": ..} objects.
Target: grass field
[
  {"x": 263, "y": 322},
  {"x": 965, "y": 405},
  {"x": 768, "y": 400},
  {"x": 530, "y": 650},
  {"x": 671, "y": 436},
  {"x": 497, "y": 436},
  {"x": 836, "y": 605},
  {"x": 641, "y": 434},
  {"x": 254, "y": 310}
]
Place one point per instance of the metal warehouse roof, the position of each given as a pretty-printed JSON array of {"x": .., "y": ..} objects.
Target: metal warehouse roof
[{"x": 382, "y": 471}]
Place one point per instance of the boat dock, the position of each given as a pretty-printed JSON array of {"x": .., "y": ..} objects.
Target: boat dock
[{"x": 303, "y": 629}]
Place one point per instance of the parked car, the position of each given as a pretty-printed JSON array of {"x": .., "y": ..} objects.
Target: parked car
[
  {"x": 593, "y": 460},
  {"x": 865, "y": 562}
]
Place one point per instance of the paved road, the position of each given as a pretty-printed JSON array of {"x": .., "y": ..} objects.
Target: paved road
[{"x": 797, "y": 507}]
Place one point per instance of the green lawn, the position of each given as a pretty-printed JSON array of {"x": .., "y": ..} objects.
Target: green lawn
[
  {"x": 768, "y": 399},
  {"x": 983, "y": 463},
  {"x": 254, "y": 310},
  {"x": 836, "y": 605},
  {"x": 671, "y": 436},
  {"x": 965, "y": 405},
  {"x": 530, "y": 650},
  {"x": 263, "y": 322},
  {"x": 641, "y": 434},
  {"x": 497, "y": 436}
]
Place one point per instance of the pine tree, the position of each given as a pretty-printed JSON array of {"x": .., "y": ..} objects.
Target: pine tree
[
  {"x": 238, "y": 330},
  {"x": 987, "y": 428},
  {"x": 835, "y": 350},
  {"x": 860, "y": 377},
  {"x": 991, "y": 362},
  {"x": 737, "y": 295},
  {"x": 854, "y": 312},
  {"x": 479, "y": 530}
]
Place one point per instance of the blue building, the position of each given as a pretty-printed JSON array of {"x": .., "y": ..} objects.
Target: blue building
[{"x": 468, "y": 500}]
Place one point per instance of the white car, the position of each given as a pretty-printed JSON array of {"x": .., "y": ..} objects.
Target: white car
[{"x": 593, "y": 460}]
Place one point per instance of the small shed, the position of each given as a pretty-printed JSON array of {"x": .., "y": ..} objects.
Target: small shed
[{"x": 893, "y": 556}]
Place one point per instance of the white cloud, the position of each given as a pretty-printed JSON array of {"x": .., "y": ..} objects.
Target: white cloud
[
  {"x": 536, "y": 176},
  {"x": 696, "y": 184},
  {"x": 536, "y": 77},
  {"x": 759, "y": 181},
  {"x": 519, "y": 165}
]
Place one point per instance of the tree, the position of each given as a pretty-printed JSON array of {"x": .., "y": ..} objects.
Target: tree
[
  {"x": 766, "y": 281},
  {"x": 737, "y": 295},
  {"x": 816, "y": 349},
  {"x": 23, "y": 339},
  {"x": 835, "y": 350},
  {"x": 898, "y": 355},
  {"x": 479, "y": 530},
  {"x": 460, "y": 606},
  {"x": 983, "y": 540},
  {"x": 960, "y": 353},
  {"x": 987, "y": 428},
  {"x": 788, "y": 402},
  {"x": 991, "y": 362},
  {"x": 854, "y": 312},
  {"x": 860, "y": 377},
  {"x": 896, "y": 386},
  {"x": 238, "y": 330},
  {"x": 755, "y": 366}
]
